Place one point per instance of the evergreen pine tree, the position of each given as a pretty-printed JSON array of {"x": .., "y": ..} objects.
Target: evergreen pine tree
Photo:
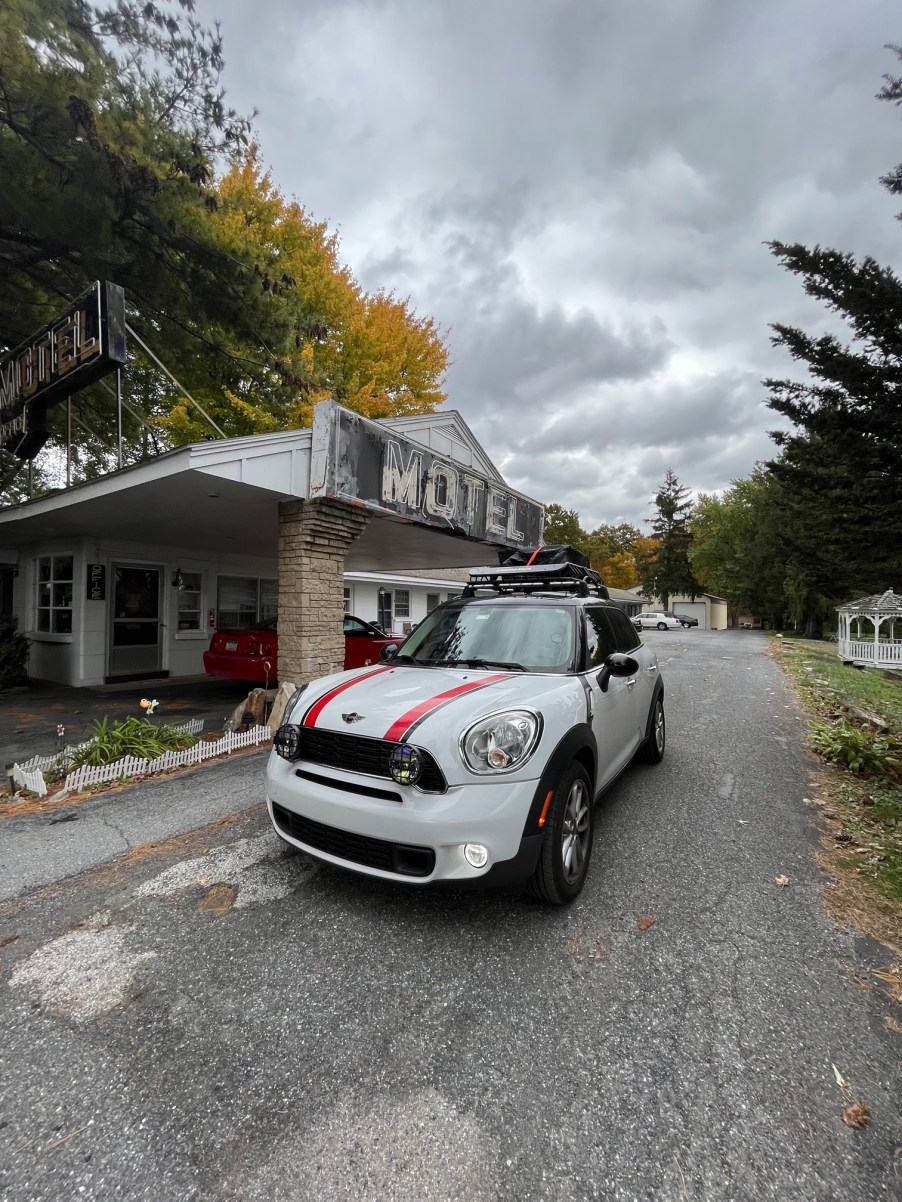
[
  {"x": 670, "y": 571},
  {"x": 839, "y": 465}
]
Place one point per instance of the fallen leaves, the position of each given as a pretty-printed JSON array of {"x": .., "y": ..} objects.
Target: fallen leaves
[
  {"x": 781, "y": 880},
  {"x": 856, "y": 1115},
  {"x": 645, "y": 921}
]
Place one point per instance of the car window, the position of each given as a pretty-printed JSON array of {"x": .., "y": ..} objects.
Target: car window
[
  {"x": 624, "y": 631},
  {"x": 600, "y": 633},
  {"x": 355, "y": 626},
  {"x": 540, "y": 638}
]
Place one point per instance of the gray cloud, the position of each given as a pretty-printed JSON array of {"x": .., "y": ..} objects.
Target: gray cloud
[{"x": 580, "y": 193}]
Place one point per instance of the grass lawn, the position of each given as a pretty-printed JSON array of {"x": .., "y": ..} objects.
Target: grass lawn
[{"x": 862, "y": 809}]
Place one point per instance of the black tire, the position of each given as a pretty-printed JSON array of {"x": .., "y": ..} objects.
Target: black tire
[
  {"x": 662, "y": 626},
  {"x": 567, "y": 848},
  {"x": 651, "y": 750}
]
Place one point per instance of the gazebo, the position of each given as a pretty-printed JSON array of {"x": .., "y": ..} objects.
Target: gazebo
[{"x": 876, "y": 645}]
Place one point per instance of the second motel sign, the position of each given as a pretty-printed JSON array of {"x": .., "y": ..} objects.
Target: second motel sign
[{"x": 80, "y": 346}]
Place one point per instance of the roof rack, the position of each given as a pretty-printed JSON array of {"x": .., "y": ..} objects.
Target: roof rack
[{"x": 570, "y": 578}]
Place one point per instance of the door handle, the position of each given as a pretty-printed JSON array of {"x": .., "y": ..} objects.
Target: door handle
[{"x": 631, "y": 682}]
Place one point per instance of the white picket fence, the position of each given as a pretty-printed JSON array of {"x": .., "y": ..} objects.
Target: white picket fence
[
  {"x": 33, "y": 780},
  {"x": 41, "y": 763},
  {"x": 132, "y": 766}
]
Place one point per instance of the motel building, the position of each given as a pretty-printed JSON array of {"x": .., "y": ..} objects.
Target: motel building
[{"x": 126, "y": 577}]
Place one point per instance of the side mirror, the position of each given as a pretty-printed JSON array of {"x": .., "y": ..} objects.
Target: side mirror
[
  {"x": 616, "y": 664},
  {"x": 388, "y": 652}
]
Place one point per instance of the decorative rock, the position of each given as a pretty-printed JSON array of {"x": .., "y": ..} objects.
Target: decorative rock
[{"x": 286, "y": 688}]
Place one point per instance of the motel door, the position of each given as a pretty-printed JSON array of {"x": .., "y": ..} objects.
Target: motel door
[{"x": 135, "y": 647}]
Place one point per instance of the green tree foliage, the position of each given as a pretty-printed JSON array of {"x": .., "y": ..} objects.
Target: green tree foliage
[
  {"x": 120, "y": 160},
  {"x": 669, "y": 570},
  {"x": 562, "y": 526},
  {"x": 738, "y": 546},
  {"x": 110, "y": 123},
  {"x": 839, "y": 463}
]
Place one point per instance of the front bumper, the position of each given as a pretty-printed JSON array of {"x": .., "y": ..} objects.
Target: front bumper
[{"x": 399, "y": 833}]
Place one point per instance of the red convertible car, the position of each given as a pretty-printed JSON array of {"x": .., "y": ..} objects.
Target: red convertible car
[{"x": 252, "y": 652}]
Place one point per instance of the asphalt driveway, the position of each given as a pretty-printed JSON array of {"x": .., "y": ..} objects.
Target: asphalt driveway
[{"x": 205, "y": 1019}]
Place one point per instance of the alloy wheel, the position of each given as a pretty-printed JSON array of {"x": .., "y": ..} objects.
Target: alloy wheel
[{"x": 575, "y": 836}]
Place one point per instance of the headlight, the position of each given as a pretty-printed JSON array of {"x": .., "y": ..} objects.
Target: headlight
[
  {"x": 292, "y": 702},
  {"x": 501, "y": 742}
]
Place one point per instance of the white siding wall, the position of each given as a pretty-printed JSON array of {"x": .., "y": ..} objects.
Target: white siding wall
[
  {"x": 81, "y": 659},
  {"x": 365, "y": 600}
]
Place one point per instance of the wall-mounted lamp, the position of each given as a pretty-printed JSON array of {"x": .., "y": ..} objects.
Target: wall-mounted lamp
[{"x": 177, "y": 581}]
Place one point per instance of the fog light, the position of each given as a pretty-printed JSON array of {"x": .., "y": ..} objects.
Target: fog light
[
  {"x": 405, "y": 764},
  {"x": 287, "y": 742},
  {"x": 477, "y": 855}
]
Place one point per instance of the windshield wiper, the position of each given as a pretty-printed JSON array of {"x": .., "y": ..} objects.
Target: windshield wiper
[{"x": 484, "y": 663}]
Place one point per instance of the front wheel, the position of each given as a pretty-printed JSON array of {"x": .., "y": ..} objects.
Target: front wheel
[
  {"x": 652, "y": 750},
  {"x": 567, "y": 849}
]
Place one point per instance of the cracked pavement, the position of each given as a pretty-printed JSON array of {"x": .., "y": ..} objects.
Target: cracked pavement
[{"x": 213, "y": 1020}]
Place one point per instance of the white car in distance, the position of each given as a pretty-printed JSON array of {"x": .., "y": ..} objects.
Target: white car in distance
[{"x": 655, "y": 620}]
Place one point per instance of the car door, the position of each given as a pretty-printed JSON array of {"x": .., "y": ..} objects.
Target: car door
[
  {"x": 615, "y": 712},
  {"x": 629, "y": 641}
]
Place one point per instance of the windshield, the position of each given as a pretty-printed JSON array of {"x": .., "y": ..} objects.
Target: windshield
[{"x": 528, "y": 638}]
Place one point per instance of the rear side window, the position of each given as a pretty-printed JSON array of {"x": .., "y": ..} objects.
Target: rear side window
[
  {"x": 600, "y": 634},
  {"x": 625, "y": 632}
]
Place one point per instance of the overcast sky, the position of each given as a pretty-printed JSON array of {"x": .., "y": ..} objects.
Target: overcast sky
[{"x": 579, "y": 191}]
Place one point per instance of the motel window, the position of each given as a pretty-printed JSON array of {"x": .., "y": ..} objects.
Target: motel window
[
  {"x": 245, "y": 600},
  {"x": 432, "y": 602},
  {"x": 190, "y": 601},
  {"x": 402, "y": 603},
  {"x": 54, "y": 594}
]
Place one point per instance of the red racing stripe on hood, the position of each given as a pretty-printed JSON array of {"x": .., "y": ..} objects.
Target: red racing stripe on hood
[
  {"x": 401, "y": 726},
  {"x": 317, "y": 708}
]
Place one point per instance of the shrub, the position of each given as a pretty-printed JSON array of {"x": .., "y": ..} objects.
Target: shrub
[
  {"x": 13, "y": 654},
  {"x": 859, "y": 750},
  {"x": 131, "y": 736}
]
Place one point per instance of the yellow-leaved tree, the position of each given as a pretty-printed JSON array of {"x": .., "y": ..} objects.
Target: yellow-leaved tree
[{"x": 324, "y": 337}]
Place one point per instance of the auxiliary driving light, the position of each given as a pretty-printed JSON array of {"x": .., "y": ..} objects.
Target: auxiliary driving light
[
  {"x": 477, "y": 856},
  {"x": 405, "y": 764},
  {"x": 287, "y": 742}
]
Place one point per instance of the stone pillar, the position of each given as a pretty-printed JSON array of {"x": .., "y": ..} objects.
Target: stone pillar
[{"x": 313, "y": 538}]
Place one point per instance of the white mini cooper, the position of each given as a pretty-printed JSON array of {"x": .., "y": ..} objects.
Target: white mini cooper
[{"x": 474, "y": 754}]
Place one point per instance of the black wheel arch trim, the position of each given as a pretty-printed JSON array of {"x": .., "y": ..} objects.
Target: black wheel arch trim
[
  {"x": 577, "y": 744},
  {"x": 657, "y": 695}
]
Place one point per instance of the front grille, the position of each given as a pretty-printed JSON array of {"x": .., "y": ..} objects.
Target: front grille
[
  {"x": 400, "y": 858},
  {"x": 357, "y": 753}
]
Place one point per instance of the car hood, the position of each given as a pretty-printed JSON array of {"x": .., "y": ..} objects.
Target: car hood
[{"x": 421, "y": 705}]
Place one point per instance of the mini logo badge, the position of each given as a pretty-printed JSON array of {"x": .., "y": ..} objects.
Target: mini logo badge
[{"x": 349, "y": 718}]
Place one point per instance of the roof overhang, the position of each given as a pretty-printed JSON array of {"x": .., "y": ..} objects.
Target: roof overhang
[{"x": 220, "y": 497}]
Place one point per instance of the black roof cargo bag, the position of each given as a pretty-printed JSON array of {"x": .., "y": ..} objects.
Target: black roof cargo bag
[{"x": 552, "y": 553}]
